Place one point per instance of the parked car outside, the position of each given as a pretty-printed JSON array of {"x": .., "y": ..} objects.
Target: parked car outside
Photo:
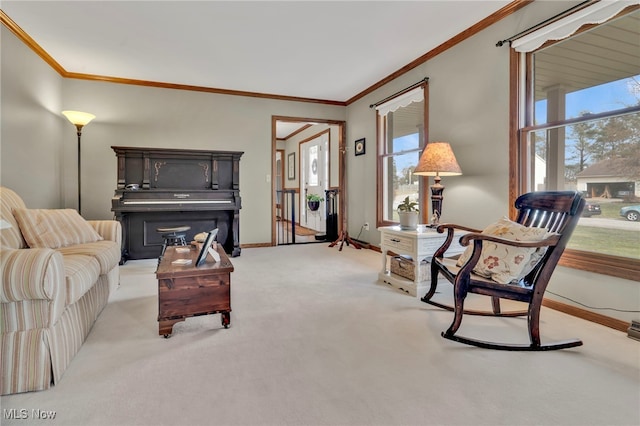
[
  {"x": 631, "y": 213},
  {"x": 591, "y": 209}
]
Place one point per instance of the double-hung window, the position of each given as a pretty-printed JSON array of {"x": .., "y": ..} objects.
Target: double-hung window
[
  {"x": 581, "y": 131},
  {"x": 401, "y": 139}
]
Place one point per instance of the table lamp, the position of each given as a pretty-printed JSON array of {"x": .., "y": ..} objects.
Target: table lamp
[{"x": 437, "y": 160}]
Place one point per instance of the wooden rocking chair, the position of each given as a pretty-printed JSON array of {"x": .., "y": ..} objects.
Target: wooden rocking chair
[{"x": 558, "y": 213}]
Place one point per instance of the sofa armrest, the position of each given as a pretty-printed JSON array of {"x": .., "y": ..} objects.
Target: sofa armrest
[
  {"x": 31, "y": 274},
  {"x": 108, "y": 229},
  {"x": 33, "y": 291}
]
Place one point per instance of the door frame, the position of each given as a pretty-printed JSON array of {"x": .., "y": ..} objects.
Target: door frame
[
  {"x": 281, "y": 171},
  {"x": 341, "y": 172}
]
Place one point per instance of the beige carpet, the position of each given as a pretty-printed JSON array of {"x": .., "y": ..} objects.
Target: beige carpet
[{"x": 316, "y": 340}]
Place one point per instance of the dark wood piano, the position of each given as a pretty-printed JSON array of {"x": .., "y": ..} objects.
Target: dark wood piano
[{"x": 159, "y": 187}]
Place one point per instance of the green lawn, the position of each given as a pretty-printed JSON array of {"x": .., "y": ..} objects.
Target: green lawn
[
  {"x": 616, "y": 242},
  {"x": 612, "y": 210}
]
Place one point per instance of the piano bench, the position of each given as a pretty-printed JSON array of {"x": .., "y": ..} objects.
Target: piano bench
[{"x": 172, "y": 236}]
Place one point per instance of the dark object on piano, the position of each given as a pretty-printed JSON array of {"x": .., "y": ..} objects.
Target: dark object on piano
[{"x": 197, "y": 188}]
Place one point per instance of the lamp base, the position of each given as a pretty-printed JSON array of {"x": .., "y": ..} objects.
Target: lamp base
[{"x": 436, "y": 201}]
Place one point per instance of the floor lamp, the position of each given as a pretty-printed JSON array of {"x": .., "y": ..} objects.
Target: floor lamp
[
  {"x": 437, "y": 160},
  {"x": 79, "y": 119}
]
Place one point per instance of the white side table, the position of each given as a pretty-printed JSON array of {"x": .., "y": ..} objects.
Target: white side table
[{"x": 419, "y": 244}]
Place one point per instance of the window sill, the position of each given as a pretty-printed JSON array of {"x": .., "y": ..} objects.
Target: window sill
[{"x": 602, "y": 264}]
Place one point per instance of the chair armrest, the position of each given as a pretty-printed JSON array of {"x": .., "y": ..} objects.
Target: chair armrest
[
  {"x": 547, "y": 242},
  {"x": 108, "y": 229},
  {"x": 451, "y": 228},
  {"x": 31, "y": 274}
]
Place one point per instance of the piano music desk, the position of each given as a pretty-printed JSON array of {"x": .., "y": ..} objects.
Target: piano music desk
[{"x": 186, "y": 290}]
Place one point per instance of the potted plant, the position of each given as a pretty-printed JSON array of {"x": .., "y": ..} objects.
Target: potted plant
[
  {"x": 408, "y": 213},
  {"x": 313, "y": 201}
]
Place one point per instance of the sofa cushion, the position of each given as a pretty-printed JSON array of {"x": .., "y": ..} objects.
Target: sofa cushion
[
  {"x": 53, "y": 228},
  {"x": 10, "y": 235},
  {"x": 106, "y": 252},
  {"x": 81, "y": 273}
]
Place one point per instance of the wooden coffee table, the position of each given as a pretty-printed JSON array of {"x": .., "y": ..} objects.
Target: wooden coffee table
[{"x": 186, "y": 290}]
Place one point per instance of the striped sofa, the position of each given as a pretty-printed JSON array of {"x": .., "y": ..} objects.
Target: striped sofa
[{"x": 57, "y": 273}]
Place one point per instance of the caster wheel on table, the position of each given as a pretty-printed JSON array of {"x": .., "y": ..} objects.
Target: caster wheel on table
[
  {"x": 226, "y": 320},
  {"x": 166, "y": 336}
]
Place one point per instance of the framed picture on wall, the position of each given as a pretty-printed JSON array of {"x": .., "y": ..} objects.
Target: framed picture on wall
[
  {"x": 291, "y": 164},
  {"x": 360, "y": 147}
]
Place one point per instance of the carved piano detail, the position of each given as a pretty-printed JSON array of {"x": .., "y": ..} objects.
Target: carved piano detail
[{"x": 159, "y": 187}]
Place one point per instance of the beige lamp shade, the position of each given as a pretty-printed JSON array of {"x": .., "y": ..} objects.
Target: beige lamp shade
[
  {"x": 78, "y": 118},
  {"x": 438, "y": 160}
]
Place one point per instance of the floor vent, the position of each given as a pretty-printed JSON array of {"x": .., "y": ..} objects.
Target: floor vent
[{"x": 634, "y": 330}]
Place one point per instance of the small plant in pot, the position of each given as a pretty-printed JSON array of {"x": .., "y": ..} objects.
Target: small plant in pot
[
  {"x": 313, "y": 201},
  {"x": 408, "y": 213}
]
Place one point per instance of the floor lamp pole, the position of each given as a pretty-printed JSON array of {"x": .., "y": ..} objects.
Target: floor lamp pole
[
  {"x": 79, "y": 119},
  {"x": 79, "y": 169}
]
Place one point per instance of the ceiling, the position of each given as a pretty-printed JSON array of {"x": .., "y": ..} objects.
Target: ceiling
[
  {"x": 322, "y": 50},
  {"x": 286, "y": 129},
  {"x": 316, "y": 50}
]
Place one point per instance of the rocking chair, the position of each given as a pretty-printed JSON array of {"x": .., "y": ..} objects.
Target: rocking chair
[{"x": 544, "y": 224}]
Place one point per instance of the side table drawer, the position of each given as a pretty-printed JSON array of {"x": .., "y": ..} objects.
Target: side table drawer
[
  {"x": 399, "y": 243},
  {"x": 431, "y": 244}
]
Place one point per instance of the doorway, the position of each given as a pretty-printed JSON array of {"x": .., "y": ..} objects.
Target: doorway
[
  {"x": 306, "y": 160},
  {"x": 314, "y": 173}
]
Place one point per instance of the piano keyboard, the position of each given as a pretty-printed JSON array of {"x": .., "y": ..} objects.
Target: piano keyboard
[{"x": 138, "y": 202}]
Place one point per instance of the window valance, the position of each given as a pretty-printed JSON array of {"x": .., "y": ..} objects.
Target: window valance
[
  {"x": 414, "y": 95},
  {"x": 596, "y": 13}
]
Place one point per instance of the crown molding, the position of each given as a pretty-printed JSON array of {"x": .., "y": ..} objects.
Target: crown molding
[
  {"x": 507, "y": 10},
  {"x": 488, "y": 21}
]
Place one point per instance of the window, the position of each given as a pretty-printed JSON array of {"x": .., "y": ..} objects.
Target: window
[
  {"x": 582, "y": 132},
  {"x": 401, "y": 138}
]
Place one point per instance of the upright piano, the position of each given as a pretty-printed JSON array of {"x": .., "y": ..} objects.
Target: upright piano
[{"x": 160, "y": 187}]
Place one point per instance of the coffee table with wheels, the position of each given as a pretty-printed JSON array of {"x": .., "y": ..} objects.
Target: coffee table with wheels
[{"x": 186, "y": 290}]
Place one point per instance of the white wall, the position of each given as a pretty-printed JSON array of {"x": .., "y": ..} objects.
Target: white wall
[
  {"x": 31, "y": 139},
  {"x": 39, "y": 146},
  {"x": 293, "y": 145},
  {"x": 468, "y": 110},
  {"x": 144, "y": 116}
]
